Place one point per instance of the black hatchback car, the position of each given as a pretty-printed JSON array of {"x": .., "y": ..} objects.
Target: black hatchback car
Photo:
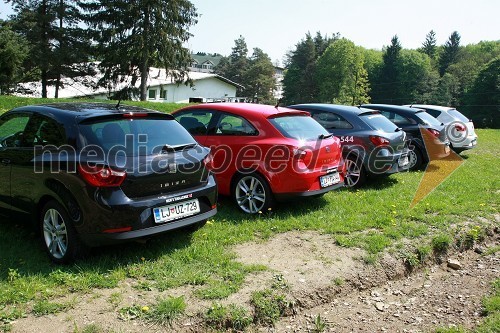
[
  {"x": 411, "y": 120},
  {"x": 93, "y": 173},
  {"x": 371, "y": 144}
]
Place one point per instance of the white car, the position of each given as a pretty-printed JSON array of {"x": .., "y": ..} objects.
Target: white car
[{"x": 459, "y": 129}]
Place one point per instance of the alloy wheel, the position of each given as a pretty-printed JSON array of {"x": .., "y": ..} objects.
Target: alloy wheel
[
  {"x": 250, "y": 194},
  {"x": 55, "y": 233},
  {"x": 353, "y": 172}
]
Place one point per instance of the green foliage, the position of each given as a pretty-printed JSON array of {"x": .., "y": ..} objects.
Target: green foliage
[
  {"x": 259, "y": 78},
  {"x": 269, "y": 306},
  {"x": 441, "y": 243},
  {"x": 13, "y": 51},
  {"x": 232, "y": 317},
  {"x": 340, "y": 74},
  {"x": 131, "y": 37},
  {"x": 450, "y": 52},
  {"x": 319, "y": 324},
  {"x": 429, "y": 46},
  {"x": 44, "y": 307},
  {"x": 166, "y": 310}
]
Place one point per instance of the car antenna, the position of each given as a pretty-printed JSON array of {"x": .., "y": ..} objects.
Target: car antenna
[{"x": 278, "y": 103}]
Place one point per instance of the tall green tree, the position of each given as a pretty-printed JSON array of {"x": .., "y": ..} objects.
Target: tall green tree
[
  {"x": 416, "y": 78},
  {"x": 386, "y": 85},
  {"x": 133, "y": 36},
  {"x": 450, "y": 52},
  {"x": 340, "y": 74},
  {"x": 429, "y": 46},
  {"x": 58, "y": 45},
  {"x": 235, "y": 66},
  {"x": 299, "y": 82},
  {"x": 259, "y": 77},
  {"x": 13, "y": 51}
]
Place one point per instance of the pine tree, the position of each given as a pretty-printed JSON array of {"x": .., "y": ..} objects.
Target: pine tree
[
  {"x": 450, "y": 52},
  {"x": 429, "y": 45},
  {"x": 259, "y": 77},
  {"x": 386, "y": 86},
  {"x": 133, "y": 36}
]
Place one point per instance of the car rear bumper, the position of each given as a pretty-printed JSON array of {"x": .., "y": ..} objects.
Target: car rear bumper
[
  {"x": 297, "y": 195},
  {"x": 110, "y": 238},
  {"x": 469, "y": 143}
]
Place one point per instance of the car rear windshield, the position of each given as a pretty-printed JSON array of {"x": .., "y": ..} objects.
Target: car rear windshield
[
  {"x": 428, "y": 119},
  {"x": 378, "y": 122},
  {"x": 299, "y": 127},
  {"x": 137, "y": 136},
  {"x": 457, "y": 115}
]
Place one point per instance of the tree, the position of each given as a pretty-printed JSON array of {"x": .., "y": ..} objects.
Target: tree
[
  {"x": 385, "y": 87},
  {"x": 341, "y": 76},
  {"x": 429, "y": 45},
  {"x": 450, "y": 52},
  {"x": 133, "y": 36},
  {"x": 482, "y": 102},
  {"x": 415, "y": 77},
  {"x": 259, "y": 77},
  {"x": 235, "y": 66},
  {"x": 299, "y": 82},
  {"x": 13, "y": 51},
  {"x": 58, "y": 46}
]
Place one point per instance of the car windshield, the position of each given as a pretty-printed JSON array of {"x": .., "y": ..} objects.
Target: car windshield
[
  {"x": 378, "y": 122},
  {"x": 427, "y": 119},
  {"x": 138, "y": 136},
  {"x": 456, "y": 114},
  {"x": 299, "y": 127}
]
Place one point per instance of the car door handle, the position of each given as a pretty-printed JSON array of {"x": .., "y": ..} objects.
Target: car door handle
[{"x": 5, "y": 161}]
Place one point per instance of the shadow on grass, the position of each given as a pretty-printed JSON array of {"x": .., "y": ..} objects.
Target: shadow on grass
[
  {"x": 22, "y": 250},
  {"x": 379, "y": 183}
]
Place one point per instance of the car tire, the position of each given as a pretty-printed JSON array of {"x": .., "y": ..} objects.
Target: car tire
[
  {"x": 59, "y": 238},
  {"x": 355, "y": 173},
  {"x": 252, "y": 194},
  {"x": 416, "y": 160}
]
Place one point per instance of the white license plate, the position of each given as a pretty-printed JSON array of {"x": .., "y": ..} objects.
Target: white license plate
[
  {"x": 176, "y": 211},
  {"x": 403, "y": 161},
  {"x": 329, "y": 180}
]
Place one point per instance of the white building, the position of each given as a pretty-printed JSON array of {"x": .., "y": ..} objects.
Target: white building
[{"x": 161, "y": 88}]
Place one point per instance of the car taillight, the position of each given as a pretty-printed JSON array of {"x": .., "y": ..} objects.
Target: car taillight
[
  {"x": 208, "y": 161},
  {"x": 460, "y": 127},
  {"x": 434, "y": 132},
  {"x": 378, "y": 140},
  {"x": 101, "y": 176}
]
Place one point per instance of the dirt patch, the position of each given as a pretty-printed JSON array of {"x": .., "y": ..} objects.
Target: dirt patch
[{"x": 322, "y": 278}]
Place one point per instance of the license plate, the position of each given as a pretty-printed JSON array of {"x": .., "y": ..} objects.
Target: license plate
[
  {"x": 403, "y": 161},
  {"x": 176, "y": 211},
  {"x": 329, "y": 180}
]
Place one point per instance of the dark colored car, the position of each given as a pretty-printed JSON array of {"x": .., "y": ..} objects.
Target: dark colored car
[
  {"x": 89, "y": 174},
  {"x": 263, "y": 154},
  {"x": 371, "y": 144},
  {"x": 411, "y": 120}
]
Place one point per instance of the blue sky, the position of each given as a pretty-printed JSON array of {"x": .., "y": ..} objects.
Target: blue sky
[{"x": 277, "y": 25}]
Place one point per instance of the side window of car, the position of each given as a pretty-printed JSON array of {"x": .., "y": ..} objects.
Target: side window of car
[
  {"x": 331, "y": 120},
  {"x": 433, "y": 113},
  {"x": 398, "y": 119},
  {"x": 234, "y": 125},
  {"x": 44, "y": 131},
  {"x": 196, "y": 122},
  {"x": 12, "y": 130}
]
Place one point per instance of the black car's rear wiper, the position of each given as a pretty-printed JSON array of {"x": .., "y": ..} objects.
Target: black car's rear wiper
[
  {"x": 169, "y": 148},
  {"x": 323, "y": 136}
]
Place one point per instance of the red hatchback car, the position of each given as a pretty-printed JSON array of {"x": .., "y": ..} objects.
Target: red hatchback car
[{"x": 262, "y": 154}]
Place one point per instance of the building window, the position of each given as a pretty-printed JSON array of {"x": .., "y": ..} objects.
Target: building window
[
  {"x": 152, "y": 94},
  {"x": 163, "y": 94}
]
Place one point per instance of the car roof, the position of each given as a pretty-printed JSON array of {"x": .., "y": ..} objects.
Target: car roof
[
  {"x": 83, "y": 110},
  {"x": 394, "y": 108},
  {"x": 432, "y": 107},
  {"x": 246, "y": 109},
  {"x": 334, "y": 107}
]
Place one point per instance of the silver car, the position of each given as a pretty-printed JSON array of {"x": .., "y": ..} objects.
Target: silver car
[{"x": 459, "y": 129}]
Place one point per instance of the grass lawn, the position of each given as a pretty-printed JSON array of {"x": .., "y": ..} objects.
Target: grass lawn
[{"x": 375, "y": 218}]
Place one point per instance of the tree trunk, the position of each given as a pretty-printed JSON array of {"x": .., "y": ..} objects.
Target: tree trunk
[
  {"x": 61, "y": 47},
  {"x": 145, "y": 56},
  {"x": 44, "y": 45}
]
